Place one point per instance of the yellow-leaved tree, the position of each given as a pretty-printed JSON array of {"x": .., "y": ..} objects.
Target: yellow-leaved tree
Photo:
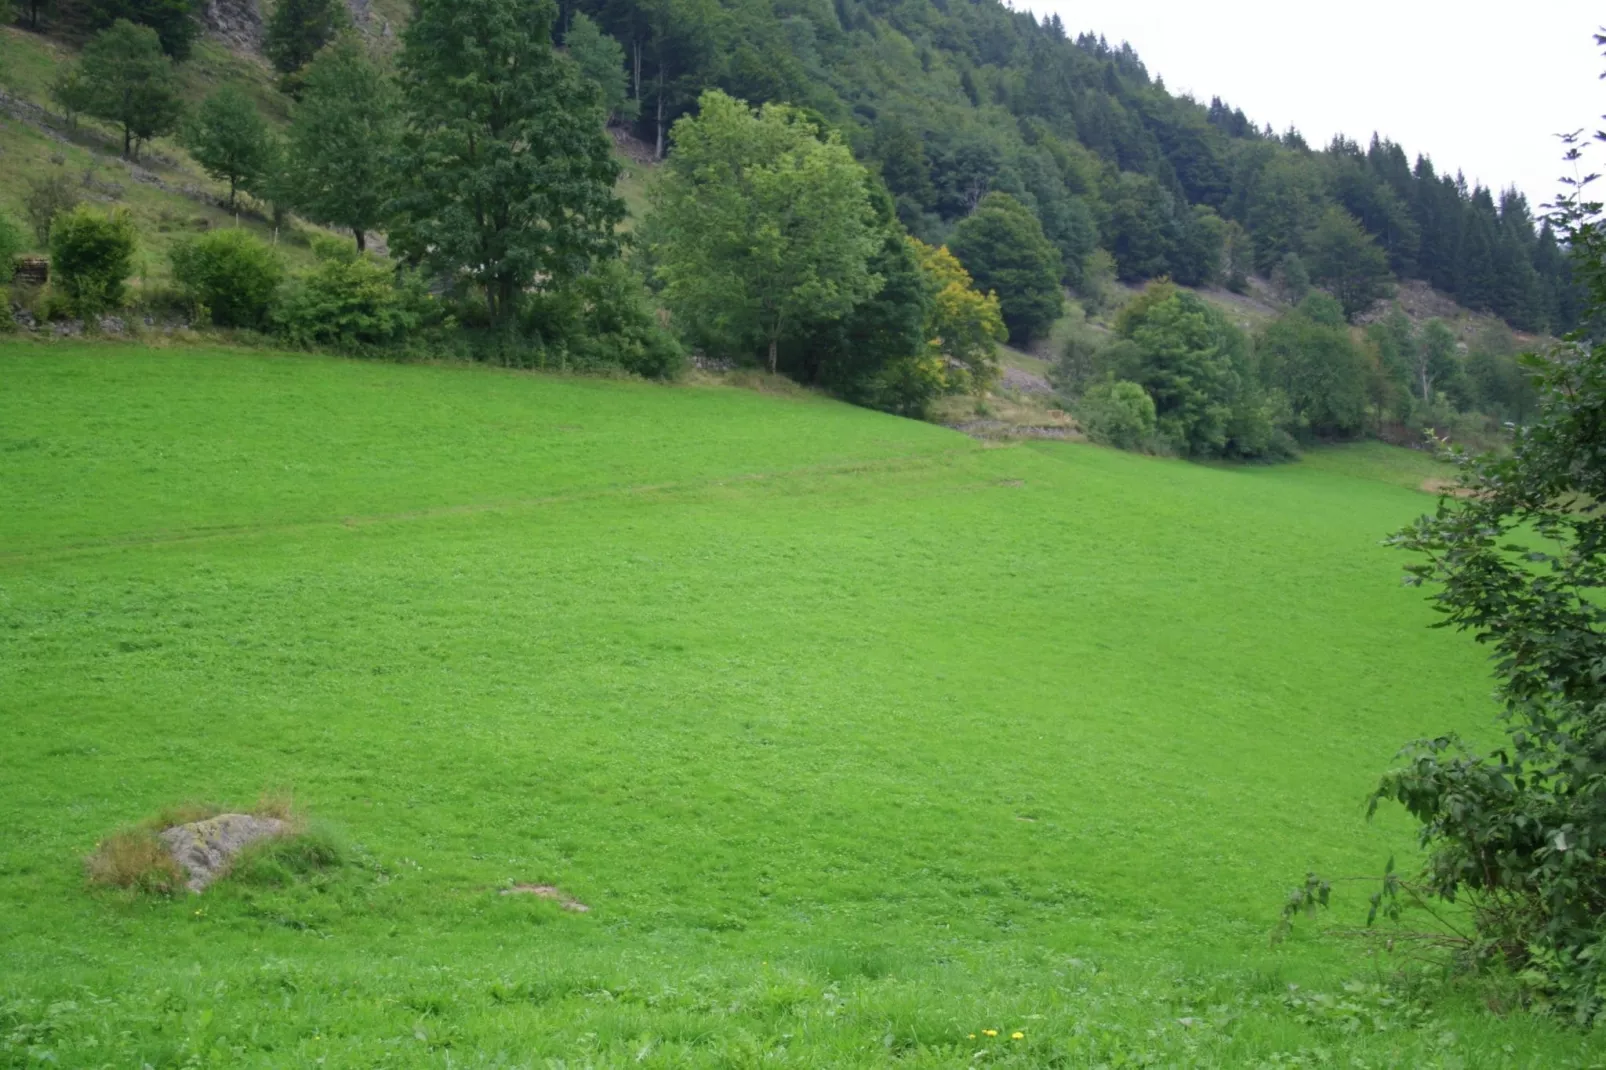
[{"x": 963, "y": 325}]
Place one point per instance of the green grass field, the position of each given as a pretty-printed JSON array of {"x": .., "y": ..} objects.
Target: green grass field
[{"x": 858, "y": 738}]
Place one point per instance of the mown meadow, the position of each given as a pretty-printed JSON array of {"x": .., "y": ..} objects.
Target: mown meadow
[{"x": 859, "y": 739}]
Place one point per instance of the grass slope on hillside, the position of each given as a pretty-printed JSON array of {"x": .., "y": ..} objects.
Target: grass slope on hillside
[
  {"x": 89, "y": 155},
  {"x": 858, "y": 738}
]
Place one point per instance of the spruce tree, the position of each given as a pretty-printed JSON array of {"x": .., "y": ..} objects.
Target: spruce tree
[
  {"x": 298, "y": 29},
  {"x": 174, "y": 21},
  {"x": 1476, "y": 276}
]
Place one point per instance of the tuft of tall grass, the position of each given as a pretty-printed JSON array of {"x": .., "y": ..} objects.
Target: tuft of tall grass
[{"x": 133, "y": 859}]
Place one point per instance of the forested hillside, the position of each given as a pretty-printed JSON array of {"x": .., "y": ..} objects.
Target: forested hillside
[
  {"x": 865, "y": 198},
  {"x": 952, "y": 100}
]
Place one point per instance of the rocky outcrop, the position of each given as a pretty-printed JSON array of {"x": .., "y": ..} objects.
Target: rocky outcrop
[
  {"x": 238, "y": 23},
  {"x": 206, "y": 848}
]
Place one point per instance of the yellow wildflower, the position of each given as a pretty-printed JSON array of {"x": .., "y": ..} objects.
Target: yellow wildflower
[
  {"x": 989, "y": 1032},
  {"x": 1017, "y": 1035}
]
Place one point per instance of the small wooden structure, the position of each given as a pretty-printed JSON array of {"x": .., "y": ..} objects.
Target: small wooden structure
[{"x": 32, "y": 271}]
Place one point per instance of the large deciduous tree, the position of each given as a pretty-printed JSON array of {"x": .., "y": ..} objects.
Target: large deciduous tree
[
  {"x": 342, "y": 142},
  {"x": 1196, "y": 367},
  {"x": 1345, "y": 260},
  {"x": 129, "y": 81},
  {"x": 1309, "y": 355},
  {"x": 1003, "y": 247},
  {"x": 1516, "y": 836},
  {"x": 230, "y": 139},
  {"x": 963, "y": 325},
  {"x": 508, "y": 176},
  {"x": 761, "y": 224},
  {"x": 601, "y": 60}
]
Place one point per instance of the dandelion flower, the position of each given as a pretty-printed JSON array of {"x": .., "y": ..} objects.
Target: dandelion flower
[
  {"x": 972, "y": 1036},
  {"x": 1017, "y": 1035},
  {"x": 989, "y": 1032}
]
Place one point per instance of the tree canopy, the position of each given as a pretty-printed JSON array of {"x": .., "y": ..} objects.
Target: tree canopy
[
  {"x": 129, "y": 82},
  {"x": 343, "y": 137},
  {"x": 298, "y": 29},
  {"x": 507, "y": 174},
  {"x": 229, "y": 137},
  {"x": 1003, "y": 247},
  {"x": 761, "y": 224},
  {"x": 1347, "y": 262}
]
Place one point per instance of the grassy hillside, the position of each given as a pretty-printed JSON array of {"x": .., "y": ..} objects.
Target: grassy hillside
[
  {"x": 857, "y": 737},
  {"x": 167, "y": 193}
]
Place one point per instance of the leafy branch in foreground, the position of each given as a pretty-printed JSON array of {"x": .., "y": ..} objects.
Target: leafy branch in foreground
[{"x": 1517, "y": 837}]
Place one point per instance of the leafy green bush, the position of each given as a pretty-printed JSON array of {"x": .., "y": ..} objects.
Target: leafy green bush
[
  {"x": 1515, "y": 837},
  {"x": 616, "y": 326},
  {"x": 12, "y": 243},
  {"x": 92, "y": 256},
  {"x": 48, "y": 197},
  {"x": 348, "y": 301},
  {"x": 229, "y": 275},
  {"x": 1118, "y": 413},
  {"x": 909, "y": 386}
]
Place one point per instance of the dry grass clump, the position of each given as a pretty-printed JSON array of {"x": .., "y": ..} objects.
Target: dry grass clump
[
  {"x": 281, "y": 804},
  {"x": 134, "y": 860}
]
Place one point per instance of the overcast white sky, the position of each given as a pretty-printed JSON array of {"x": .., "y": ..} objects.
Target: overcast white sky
[{"x": 1478, "y": 86}]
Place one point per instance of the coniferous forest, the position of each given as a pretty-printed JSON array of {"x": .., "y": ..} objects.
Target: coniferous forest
[{"x": 953, "y": 100}]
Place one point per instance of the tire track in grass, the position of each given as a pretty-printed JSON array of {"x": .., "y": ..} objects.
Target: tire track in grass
[{"x": 911, "y": 462}]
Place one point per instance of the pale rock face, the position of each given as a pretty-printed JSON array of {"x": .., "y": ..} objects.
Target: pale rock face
[
  {"x": 237, "y": 22},
  {"x": 205, "y": 848}
]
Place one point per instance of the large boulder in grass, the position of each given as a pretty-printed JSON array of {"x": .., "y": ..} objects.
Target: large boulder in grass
[{"x": 206, "y": 848}]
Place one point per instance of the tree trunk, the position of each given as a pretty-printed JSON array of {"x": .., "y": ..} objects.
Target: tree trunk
[
  {"x": 772, "y": 356},
  {"x": 658, "y": 151},
  {"x": 234, "y": 186},
  {"x": 636, "y": 45},
  {"x": 362, "y": 239},
  {"x": 128, "y": 142}
]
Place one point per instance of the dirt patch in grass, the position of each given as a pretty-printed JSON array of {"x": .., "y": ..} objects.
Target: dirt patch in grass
[
  {"x": 547, "y": 891},
  {"x": 1451, "y": 487}
]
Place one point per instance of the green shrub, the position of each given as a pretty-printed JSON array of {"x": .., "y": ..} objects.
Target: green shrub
[
  {"x": 348, "y": 301},
  {"x": 48, "y": 197},
  {"x": 616, "y": 327},
  {"x": 92, "y": 256},
  {"x": 12, "y": 244},
  {"x": 1117, "y": 413},
  {"x": 909, "y": 386},
  {"x": 230, "y": 275}
]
